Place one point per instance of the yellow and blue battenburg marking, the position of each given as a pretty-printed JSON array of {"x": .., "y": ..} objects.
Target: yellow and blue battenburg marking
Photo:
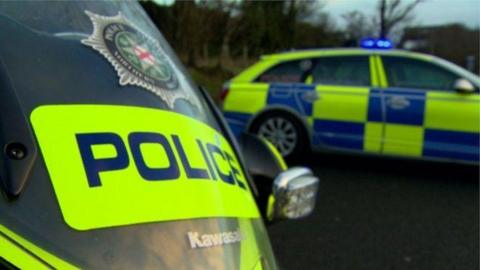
[
  {"x": 452, "y": 135},
  {"x": 239, "y": 112},
  {"x": 291, "y": 95},
  {"x": 401, "y": 114},
  {"x": 118, "y": 165},
  {"x": 389, "y": 120}
]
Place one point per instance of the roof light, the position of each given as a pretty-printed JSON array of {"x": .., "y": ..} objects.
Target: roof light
[{"x": 374, "y": 43}]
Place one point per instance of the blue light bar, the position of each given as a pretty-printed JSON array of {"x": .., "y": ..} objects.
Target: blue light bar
[{"x": 373, "y": 43}]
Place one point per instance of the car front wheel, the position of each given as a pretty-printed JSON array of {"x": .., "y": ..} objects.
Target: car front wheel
[{"x": 283, "y": 131}]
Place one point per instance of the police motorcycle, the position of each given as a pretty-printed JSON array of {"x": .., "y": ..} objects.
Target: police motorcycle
[{"x": 113, "y": 158}]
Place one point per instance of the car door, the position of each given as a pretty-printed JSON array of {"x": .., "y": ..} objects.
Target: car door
[
  {"x": 287, "y": 87},
  {"x": 341, "y": 116},
  {"x": 424, "y": 115}
]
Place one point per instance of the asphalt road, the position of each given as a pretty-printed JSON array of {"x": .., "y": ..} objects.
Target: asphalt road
[{"x": 375, "y": 213}]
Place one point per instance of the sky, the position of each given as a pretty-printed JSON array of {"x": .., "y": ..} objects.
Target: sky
[{"x": 430, "y": 12}]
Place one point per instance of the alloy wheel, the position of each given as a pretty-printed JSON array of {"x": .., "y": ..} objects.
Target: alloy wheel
[{"x": 281, "y": 133}]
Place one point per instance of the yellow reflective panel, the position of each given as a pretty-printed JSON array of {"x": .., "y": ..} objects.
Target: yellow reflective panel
[
  {"x": 310, "y": 120},
  {"x": 373, "y": 71},
  {"x": 249, "y": 253},
  {"x": 382, "y": 77},
  {"x": 26, "y": 255},
  {"x": 246, "y": 97},
  {"x": 163, "y": 166},
  {"x": 258, "y": 266},
  {"x": 18, "y": 257},
  {"x": 104, "y": 151},
  {"x": 344, "y": 103},
  {"x": 373, "y": 137},
  {"x": 309, "y": 79},
  {"x": 453, "y": 111},
  {"x": 270, "y": 207},
  {"x": 403, "y": 140}
]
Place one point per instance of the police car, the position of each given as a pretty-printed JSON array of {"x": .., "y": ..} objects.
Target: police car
[
  {"x": 112, "y": 158},
  {"x": 366, "y": 100}
]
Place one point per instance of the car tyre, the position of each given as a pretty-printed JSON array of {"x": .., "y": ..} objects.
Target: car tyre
[{"x": 284, "y": 131}]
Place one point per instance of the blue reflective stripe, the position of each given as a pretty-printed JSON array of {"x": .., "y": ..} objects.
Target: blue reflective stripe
[
  {"x": 237, "y": 122},
  {"x": 440, "y": 153},
  {"x": 451, "y": 147},
  {"x": 237, "y": 129},
  {"x": 338, "y": 133},
  {"x": 375, "y": 106},
  {"x": 451, "y": 144},
  {"x": 339, "y": 141},
  {"x": 412, "y": 114},
  {"x": 452, "y": 137},
  {"x": 291, "y": 95},
  {"x": 338, "y": 127},
  {"x": 236, "y": 116}
]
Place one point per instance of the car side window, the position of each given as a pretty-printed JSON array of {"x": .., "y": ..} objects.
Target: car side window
[
  {"x": 344, "y": 70},
  {"x": 287, "y": 72},
  {"x": 412, "y": 73}
]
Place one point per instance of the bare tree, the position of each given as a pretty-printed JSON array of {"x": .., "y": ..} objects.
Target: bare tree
[
  {"x": 357, "y": 26},
  {"x": 232, "y": 24},
  {"x": 391, "y": 13}
]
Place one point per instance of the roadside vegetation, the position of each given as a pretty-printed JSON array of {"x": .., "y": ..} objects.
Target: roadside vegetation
[{"x": 216, "y": 39}]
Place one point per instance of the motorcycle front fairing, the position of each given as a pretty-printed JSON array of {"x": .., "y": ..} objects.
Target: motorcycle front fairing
[{"x": 132, "y": 170}]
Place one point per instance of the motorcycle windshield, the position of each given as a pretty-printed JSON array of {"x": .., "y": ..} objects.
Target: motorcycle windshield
[{"x": 133, "y": 171}]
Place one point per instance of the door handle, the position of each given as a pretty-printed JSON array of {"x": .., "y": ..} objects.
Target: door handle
[
  {"x": 311, "y": 96},
  {"x": 398, "y": 102}
]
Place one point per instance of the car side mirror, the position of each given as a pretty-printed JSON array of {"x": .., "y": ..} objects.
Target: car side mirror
[
  {"x": 282, "y": 193},
  {"x": 464, "y": 86}
]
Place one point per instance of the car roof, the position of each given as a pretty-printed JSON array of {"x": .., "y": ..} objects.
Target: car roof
[{"x": 300, "y": 54}]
